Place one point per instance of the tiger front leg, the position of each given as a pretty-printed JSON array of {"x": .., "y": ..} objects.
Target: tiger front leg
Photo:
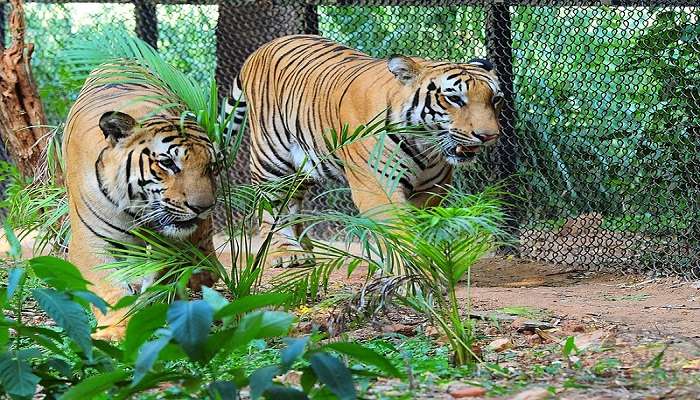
[{"x": 287, "y": 248}]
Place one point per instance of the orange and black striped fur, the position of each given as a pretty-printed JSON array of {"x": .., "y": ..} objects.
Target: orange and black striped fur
[
  {"x": 296, "y": 89},
  {"x": 130, "y": 162}
]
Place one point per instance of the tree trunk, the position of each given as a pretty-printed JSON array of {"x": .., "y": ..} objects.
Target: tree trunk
[{"x": 22, "y": 120}]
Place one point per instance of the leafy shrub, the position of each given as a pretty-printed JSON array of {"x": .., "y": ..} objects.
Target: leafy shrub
[{"x": 159, "y": 338}]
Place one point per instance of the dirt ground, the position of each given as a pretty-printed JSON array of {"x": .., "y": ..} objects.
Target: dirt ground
[{"x": 662, "y": 306}]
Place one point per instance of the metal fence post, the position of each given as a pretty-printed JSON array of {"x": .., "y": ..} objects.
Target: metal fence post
[
  {"x": 311, "y": 19},
  {"x": 146, "y": 16},
  {"x": 499, "y": 46}
]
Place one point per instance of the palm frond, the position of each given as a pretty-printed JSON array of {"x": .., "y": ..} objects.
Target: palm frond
[{"x": 117, "y": 56}]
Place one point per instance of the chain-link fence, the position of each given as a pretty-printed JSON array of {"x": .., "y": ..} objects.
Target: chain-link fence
[{"x": 601, "y": 124}]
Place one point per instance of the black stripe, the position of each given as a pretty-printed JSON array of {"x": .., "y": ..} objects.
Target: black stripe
[
  {"x": 87, "y": 204},
  {"x": 100, "y": 184}
]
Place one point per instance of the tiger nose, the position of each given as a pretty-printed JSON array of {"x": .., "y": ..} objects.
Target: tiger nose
[
  {"x": 200, "y": 208},
  {"x": 484, "y": 137}
]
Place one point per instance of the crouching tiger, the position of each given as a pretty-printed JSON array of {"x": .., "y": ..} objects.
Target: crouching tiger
[{"x": 296, "y": 89}]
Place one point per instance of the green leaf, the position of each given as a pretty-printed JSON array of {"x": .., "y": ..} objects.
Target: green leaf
[
  {"x": 569, "y": 347},
  {"x": 252, "y": 302},
  {"x": 125, "y": 301},
  {"x": 260, "y": 325},
  {"x": 294, "y": 350},
  {"x": 366, "y": 356},
  {"x": 222, "y": 390},
  {"x": 95, "y": 386},
  {"x": 279, "y": 392},
  {"x": 148, "y": 355},
  {"x": 15, "y": 246},
  {"x": 68, "y": 314},
  {"x": 14, "y": 277},
  {"x": 261, "y": 380},
  {"x": 92, "y": 298},
  {"x": 141, "y": 326},
  {"x": 58, "y": 273},
  {"x": 334, "y": 374},
  {"x": 308, "y": 379},
  {"x": 16, "y": 376},
  {"x": 190, "y": 322},
  {"x": 109, "y": 349},
  {"x": 213, "y": 298},
  {"x": 61, "y": 366}
]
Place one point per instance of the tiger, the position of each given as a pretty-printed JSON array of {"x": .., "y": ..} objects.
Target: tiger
[
  {"x": 296, "y": 91},
  {"x": 130, "y": 161}
]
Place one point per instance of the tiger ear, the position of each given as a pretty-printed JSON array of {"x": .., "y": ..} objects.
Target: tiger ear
[
  {"x": 403, "y": 68},
  {"x": 481, "y": 63},
  {"x": 116, "y": 125}
]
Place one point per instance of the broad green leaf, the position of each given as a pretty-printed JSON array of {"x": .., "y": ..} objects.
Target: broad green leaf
[
  {"x": 148, "y": 355},
  {"x": 16, "y": 376},
  {"x": 213, "y": 298},
  {"x": 261, "y": 380},
  {"x": 93, "y": 299},
  {"x": 95, "y": 386},
  {"x": 222, "y": 390},
  {"x": 125, "y": 301},
  {"x": 308, "y": 379},
  {"x": 294, "y": 350},
  {"x": 141, "y": 326},
  {"x": 68, "y": 314},
  {"x": 172, "y": 352},
  {"x": 58, "y": 273},
  {"x": 252, "y": 302},
  {"x": 109, "y": 349},
  {"x": 29, "y": 353},
  {"x": 260, "y": 325},
  {"x": 279, "y": 392},
  {"x": 14, "y": 277},
  {"x": 366, "y": 356},
  {"x": 334, "y": 374},
  {"x": 220, "y": 341},
  {"x": 190, "y": 322},
  {"x": 61, "y": 366}
]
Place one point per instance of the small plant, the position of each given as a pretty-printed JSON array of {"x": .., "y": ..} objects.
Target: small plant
[{"x": 433, "y": 249}]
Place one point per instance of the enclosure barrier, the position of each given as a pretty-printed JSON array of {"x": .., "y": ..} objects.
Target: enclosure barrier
[{"x": 601, "y": 140}]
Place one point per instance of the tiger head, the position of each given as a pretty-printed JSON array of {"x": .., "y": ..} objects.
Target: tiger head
[
  {"x": 459, "y": 103},
  {"x": 161, "y": 171}
]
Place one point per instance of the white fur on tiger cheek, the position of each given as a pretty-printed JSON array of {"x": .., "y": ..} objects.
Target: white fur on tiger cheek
[{"x": 176, "y": 232}]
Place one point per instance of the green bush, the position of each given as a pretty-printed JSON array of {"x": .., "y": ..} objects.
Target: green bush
[{"x": 163, "y": 344}]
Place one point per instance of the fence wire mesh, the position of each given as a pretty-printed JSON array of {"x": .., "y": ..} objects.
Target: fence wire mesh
[{"x": 601, "y": 131}]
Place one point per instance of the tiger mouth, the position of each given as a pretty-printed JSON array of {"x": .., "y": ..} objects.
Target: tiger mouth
[{"x": 462, "y": 153}]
